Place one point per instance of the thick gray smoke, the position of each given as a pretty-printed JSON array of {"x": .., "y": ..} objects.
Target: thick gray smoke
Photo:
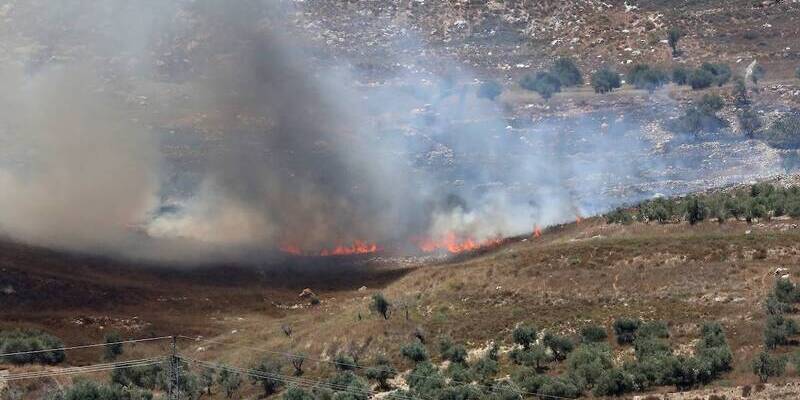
[{"x": 193, "y": 130}]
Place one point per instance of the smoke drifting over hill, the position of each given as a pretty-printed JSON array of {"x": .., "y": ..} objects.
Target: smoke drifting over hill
[{"x": 191, "y": 131}]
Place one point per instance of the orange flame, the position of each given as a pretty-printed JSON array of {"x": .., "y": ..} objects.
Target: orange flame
[
  {"x": 452, "y": 243},
  {"x": 578, "y": 219},
  {"x": 358, "y": 247},
  {"x": 537, "y": 232}
]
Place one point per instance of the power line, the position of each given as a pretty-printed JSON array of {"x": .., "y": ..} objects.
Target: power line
[
  {"x": 84, "y": 369},
  {"x": 86, "y": 346}
]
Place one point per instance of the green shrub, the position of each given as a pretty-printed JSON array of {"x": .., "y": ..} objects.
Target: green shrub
[
  {"x": 459, "y": 373},
  {"x": 490, "y": 90},
  {"x": 349, "y": 386},
  {"x": 649, "y": 346},
  {"x": 524, "y": 336},
  {"x": 625, "y": 329},
  {"x": 415, "y": 352},
  {"x": 739, "y": 92},
  {"x": 749, "y": 122},
  {"x": 561, "y": 346},
  {"x": 544, "y": 83},
  {"x": 267, "y": 369},
  {"x": 701, "y": 79},
  {"x": 758, "y": 73},
  {"x": 425, "y": 379},
  {"x": 587, "y": 363},
  {"x": 654, "y": 329},
  {"x": 381, "y": 371},
  {"x": 230, "y": 382},
  {"x": 619, "y": 216},
  {"x": 778, "y": 330},
  {"x": 605, "y": 80},
  {"x": 297, "y": 393},
  {"x": 90, "y": 390},
  {"x": 380, "y": 305},
  {"x": 614, "y": 382},
  {"x": 148, "y": 377},
  {"x": 720, "y": 72},
  {"x": 797, "y": 72},
  {"x": 673, "y": 36},
  {"x": 485, "y": 369},
  {"x": 567, "y": 72},
  {"x": 766, "y": 366},
  {"x": 345, "y": 362},
  {"x": 680, "y": 75},
  {"x": 453, "y": 352},
  {"x": 535, "y": 356},
  {"x": 593, "y": 334},
  {"x": 113, "y": 346},
  {"x": 642, "y": 76},
  {"x": 21, "y": 341}
]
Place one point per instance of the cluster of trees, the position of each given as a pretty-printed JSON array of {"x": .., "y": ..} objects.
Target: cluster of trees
[
  {"x": 22, "y": 341},
  {"x": 705, "y": 76},
  {"x": 761, "y": 200},
  {"x": 778, "y": 330},
  {"x": 563, "y": 73},
  {"x": 783, "y": 133}
]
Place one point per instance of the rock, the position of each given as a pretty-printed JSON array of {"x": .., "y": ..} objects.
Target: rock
[
  {"x": 306, "y": 293},
  {"x": 362, "y": 289},
  {"x": 8, "y": 290}
]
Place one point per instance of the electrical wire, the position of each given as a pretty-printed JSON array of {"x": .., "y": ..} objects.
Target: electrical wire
[{"x": 86, "y": 346}]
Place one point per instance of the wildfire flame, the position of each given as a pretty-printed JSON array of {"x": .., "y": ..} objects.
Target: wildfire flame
[
  {"x": 358, "y": 247},
  {"x": 452, "y": 243},
  {"x": 537, "y": 232}
]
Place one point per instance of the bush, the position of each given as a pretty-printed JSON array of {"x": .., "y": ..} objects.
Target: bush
[
  {"x": 758, "y": 73},
  {"x": 297, "y": 393},
  {"x": 567, "y": 72},
  {"x": 90, "y": 390},
  {"x": 587, "y": 363},
  {"x": 21, "y": 341},
  {"x": 485, "y": 369},
  {"x": 701, "y": 79},
  {"x": 749, "y": 122},
  {"x": 695, "y": 211},
  {"x": 625, "y": 329},
  {"x": 345, "y": 362},
  {"x": 535, "y": 356},
  {"x": 148, "y": 377},
  {"x": 797, "y": 73},
  {"x": 739, "y": 92},
  {"x": 680, "y": 75},
  {"x": 415, "y": 352},
  {"x": 641, "y": 76},
  {"x": 381, "y": 371},
  {"x": 459, "y": 373},
  {"x": 778, "y": 331},
  {"x": 113, "y": 346},
  {"x": 543, "y": 83},
  {"x": 673, "y": 36},
  {"x": 425, "y": 379},
  {"x": 647, "y": 346},
  {"x": 490, "y": 90},
  {"x": 720, "y": 72},
  {"x": 456, "y": 353},
  {"x": 230, "y": 382},
  {"x": 766, "y": 366},
  {"x": 654, "y": 329},
  {"x": 348, "y": 386},
  {"x": 614, "y": 382},
  {"x": 524, "y": 336},
  {"x": 559, "y": 387},
  {"x": 605, "y": 80},
  {"x": 267, "y": 369},
  {"x": 593, "y": 334},
  {"x": 561, "y": 346},
  {"x": 380, "y": 305}
]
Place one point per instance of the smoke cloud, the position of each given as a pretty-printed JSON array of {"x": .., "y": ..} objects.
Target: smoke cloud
[{"x": 201, "y": 131}]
